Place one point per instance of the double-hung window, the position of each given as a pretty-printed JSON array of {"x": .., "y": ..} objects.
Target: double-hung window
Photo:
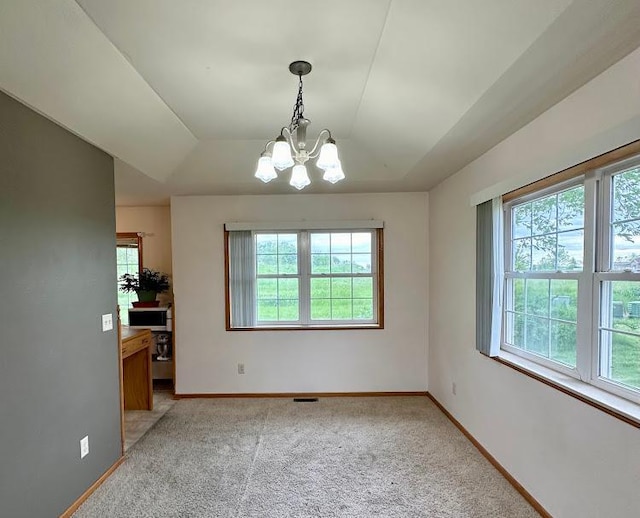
[
  {"x": 309, "y": 278},
  {"x": 572, "y": 277}
]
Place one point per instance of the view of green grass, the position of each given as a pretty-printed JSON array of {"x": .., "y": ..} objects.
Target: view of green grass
[
  {"x": 544, "y": 323},
  {"x": 341, "y": 287}
]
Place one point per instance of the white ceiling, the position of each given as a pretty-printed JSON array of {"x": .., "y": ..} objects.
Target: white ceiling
[{"x": 185, "y": 94}]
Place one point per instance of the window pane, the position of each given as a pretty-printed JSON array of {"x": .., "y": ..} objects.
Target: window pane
[
  {"x": 621, "y": 358},
  {"x": 570, "y": 250},
  {"x": 537, "y": 335},
  {"x": 287, "y": 264},
  {"x": 522, "y": 221},
  {"x": 320, "y": 288},
  {"x": 362, "y": 309},
  {"x": 620, "y": 336},
  {"x": 625, "y": 253},
  {"x": 341, "y": 309},
  {"x": 361, "y": 242},
  {"x": 518, "y": 328},
  {"x": 341, "y": 288},
  {"x": 320, "y": 309},
  {"x": 563, "y": 343},
  {"x": 363, "y": 288},
  {"x": 266, "y": 244},
  {"x": 341, "y": 263},
  {"x": 571, "y": 209},
  {"x": 543, "y": 257},
  {"x": 537, "y": 296},
  {"x": 622, "y": 312},
  {"x": 543, "y": 215},
  {"x": 518, "y": 294},
  {"x": 288, "y": 289},
  {"x": 288, "y": 310},
  {"x": 340, "y": 243},
  {"x": 268, "y": 309},
  {"x": 626, "y": 195},
  {"x": 320, "y": 243},
  {"x": 320, "y": 263},
  {"x": 121, "y": 255},
  {"x": 564, "y": 300},
  {"x": 522, "y": 255},
  {"x": 361, "y": 263},
  {"x": 267, "y": 288},
  {"x": 267, "y": 264},
  {"x": 287, "y": 243}
]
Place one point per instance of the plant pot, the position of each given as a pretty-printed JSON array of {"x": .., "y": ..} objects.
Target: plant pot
[
  {"x": 146, "y": 296},
  {"x": 147, "y": 304}
]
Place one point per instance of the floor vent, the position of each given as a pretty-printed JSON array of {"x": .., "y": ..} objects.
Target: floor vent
[{"x": 305, "y": 399}]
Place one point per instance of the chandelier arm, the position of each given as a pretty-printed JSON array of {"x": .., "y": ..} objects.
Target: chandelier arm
[
  {"x": 286, "y": 133},
  {"x": 266, "y": 147},
  {"x": 312, "y": 153}
]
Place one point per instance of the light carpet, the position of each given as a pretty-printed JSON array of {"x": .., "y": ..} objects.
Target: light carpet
[{"x": 273, "y": 458}]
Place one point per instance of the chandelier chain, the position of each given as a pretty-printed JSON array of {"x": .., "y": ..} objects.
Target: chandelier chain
[{"x": 298, "y": 108}]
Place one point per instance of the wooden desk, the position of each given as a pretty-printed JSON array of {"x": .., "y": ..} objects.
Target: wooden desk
[{"x": 136, "y": 369}]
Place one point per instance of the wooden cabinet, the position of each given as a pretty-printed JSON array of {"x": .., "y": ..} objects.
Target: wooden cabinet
[{"x": 136, "y": 369}]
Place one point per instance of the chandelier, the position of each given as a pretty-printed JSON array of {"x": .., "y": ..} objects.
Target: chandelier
[{"x": 290, "y": 148}]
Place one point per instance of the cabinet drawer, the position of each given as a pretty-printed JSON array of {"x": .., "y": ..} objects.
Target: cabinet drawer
[{"x": 133, "y": 345}]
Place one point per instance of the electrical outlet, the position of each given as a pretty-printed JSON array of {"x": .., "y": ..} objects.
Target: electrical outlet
[
  {"x": 84, "y": 447},
  {"x": 453, "y": 388},
  {"x": 241, "y": 368},
  {"x": 107, "y": 322}
]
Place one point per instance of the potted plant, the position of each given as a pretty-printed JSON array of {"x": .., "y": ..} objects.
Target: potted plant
[{"x": 147, "y": 284}]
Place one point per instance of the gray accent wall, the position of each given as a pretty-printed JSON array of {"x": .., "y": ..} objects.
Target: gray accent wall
[{"x": 59, "y": 378}]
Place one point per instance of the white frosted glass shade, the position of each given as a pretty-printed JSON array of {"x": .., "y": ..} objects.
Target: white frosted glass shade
[
  {"x": 281, "y": 156},
  {"x": 334, "y": 174},
  {"x": 299, "y": 177},
  {"x": 265, "y": 170},
  {"x": 328, "y": 156}
]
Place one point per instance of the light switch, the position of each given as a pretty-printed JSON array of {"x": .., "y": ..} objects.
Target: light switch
[{"x": 107, "y": 322}]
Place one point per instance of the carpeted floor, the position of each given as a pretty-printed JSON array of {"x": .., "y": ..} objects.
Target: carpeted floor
[{"x": 273, "y": 458}]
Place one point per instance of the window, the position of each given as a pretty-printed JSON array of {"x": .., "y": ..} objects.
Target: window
[
  {"x": 572, "y": 277},
  {"x": 305, "y": 278},
  {"x": 128, "y": 260}
]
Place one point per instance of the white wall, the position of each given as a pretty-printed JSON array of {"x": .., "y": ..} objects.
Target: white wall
[
  {"x": 393, "y": 359},
  {"x": 575, "y": 460}
]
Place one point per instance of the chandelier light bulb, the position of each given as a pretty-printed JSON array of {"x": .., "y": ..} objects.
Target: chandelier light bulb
[
  {"x": 334, "y": 174},
  {"x": 265, "y": 170},
  {"x": 281, "y": 157},
  {"x": 299, "y": 177},
  {"x": 328, "y": 155}
]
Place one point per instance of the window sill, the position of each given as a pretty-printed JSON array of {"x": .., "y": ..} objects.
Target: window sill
[
  {"x": 350, "y": 327},
  {"x": 611, "y": 404}
]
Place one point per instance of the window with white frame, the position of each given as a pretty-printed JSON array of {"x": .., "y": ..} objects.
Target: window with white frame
[
  {"x": 572, "y": 277},
  {"x": 310, "y": 278}
]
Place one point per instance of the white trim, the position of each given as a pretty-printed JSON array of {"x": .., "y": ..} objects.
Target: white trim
[{"x": 304, "y": 225}]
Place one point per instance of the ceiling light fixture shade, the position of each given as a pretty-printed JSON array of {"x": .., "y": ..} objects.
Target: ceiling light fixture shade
[
  {"x": 291, "y": 145},
  {"x": 328, "y": 155},
  {"x": 265, "y": 170},
  {"x": 281, "y": 154},
  {"x": 334, "y": 174},
  {"x": 299, "y": 177}
]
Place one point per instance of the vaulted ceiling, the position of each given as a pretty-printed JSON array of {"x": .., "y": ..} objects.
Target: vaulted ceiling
[{"x": 185, "y": 94}]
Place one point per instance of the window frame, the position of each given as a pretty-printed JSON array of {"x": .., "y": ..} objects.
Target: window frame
[
  {"x": 122, "y": 312},
  {"x": 591, "y": 296},
  {"x": 304, "y": 275},
  {"x": 510, "y": 274}
]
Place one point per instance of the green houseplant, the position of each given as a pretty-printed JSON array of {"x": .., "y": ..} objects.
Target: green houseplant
[{"x": 147, "y": 284}]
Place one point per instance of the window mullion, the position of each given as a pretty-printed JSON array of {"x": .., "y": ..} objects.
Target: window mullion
[
  {"x": 304, "y": 265},
  {"x": 584, "y": 331}
]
